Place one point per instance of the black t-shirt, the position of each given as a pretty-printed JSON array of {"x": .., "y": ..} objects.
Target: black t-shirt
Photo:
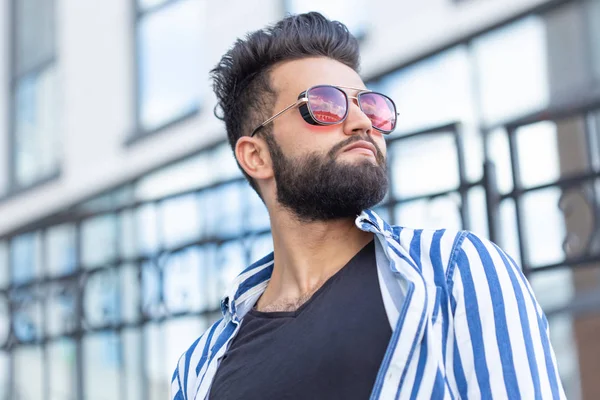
[{"x": 330, "y": 348}]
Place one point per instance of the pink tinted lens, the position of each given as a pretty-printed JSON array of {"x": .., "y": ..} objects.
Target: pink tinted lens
[
  {"x": 380, "y": 110},
  {"x": 327, "y": 104}
]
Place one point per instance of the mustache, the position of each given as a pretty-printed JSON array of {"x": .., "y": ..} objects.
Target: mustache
[{"x": 356, "y": 138}]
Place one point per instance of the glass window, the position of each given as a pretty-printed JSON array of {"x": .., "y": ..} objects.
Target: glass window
[
  {"x": 4, "y": 320},
  {"x": 181, "y": 220},
  {"x": 181, "y": 276},
  {"x": 424, "y": 165},
  {"x": 544, "y": 227},
  {"x": 551, "y": 150},
  {"x": 29, "y": 372},
  {"x": 511, "y": 66},
  {"x": 61, "y": 368},
  {"x": 36, "y": 145},
  {"x": 130, "y": 293},
  {"x": 156, "y": 365},
  {"x": 148, "y": 240},
  {"x": 151, "y": 290},
  {"x": 27, "y": 315},
  {"x": 36, "y": 138},
  {"x": 133, "y": 364},
  {"x": 4, "y": 374},
  {"x": 442, "y": 212},
  {"x": 60, "y": 250},
  {"x": 431, "y": 92},
  {"x": 101, "y": 298},
  {"x": 61, "y": 313},
  {"x": 3, "y": 264},
  {"x": 99, "y": 240},
  {"x": 26, "y": 257},
  {"x": 34, "y": 33},
  {"x": 353, "y": 13},
  {"x": 169, "y": 64},
  {"x": 102, "y": 358}
]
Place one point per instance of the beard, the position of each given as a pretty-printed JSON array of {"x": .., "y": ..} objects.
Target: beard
[{"x": 317, "y": 187}]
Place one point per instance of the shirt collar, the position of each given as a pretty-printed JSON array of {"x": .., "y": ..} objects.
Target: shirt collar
[{"x": 250, "y": 283}]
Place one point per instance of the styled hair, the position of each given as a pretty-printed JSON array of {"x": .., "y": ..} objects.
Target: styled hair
[{"x": 241, "y": 80}]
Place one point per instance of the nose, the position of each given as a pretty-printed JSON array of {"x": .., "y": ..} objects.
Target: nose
[{"x": 357, "y": 121}]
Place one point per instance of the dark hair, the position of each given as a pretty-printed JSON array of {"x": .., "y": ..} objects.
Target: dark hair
[{"x": 241, "y": 80}]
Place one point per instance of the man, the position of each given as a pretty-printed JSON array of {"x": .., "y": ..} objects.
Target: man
[{"x": 347, "y": 306}]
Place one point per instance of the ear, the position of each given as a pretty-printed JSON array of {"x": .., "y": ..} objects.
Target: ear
[{"x": 253, "y": 156}]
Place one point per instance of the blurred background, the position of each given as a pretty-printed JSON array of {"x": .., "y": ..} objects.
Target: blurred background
[{"x": 123, "y": 215}]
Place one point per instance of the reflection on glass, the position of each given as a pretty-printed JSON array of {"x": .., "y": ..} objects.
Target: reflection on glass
[
  {"x": 155, "y": 363},
  {"x": 4, "y": 375},
  {"x": 3, "y": 264},
  {"x": 147, "y": 229},
  {"x": 478, "y": 222},
  {"x": 151, "y": 289},
  {"x": 127, "y": 232},
  {"x": 432, "y": 92},
  {"x": 424, "y": 165},
  {"x": 27, "y": 316},
  {"x": 169, "y": 48},
  {"x": 181, "y": 289},
  {"x": 101, "y": 298},
  {"x": 61, "y": 366},
  {"x": 512, "y": 69},
  {"x": 538, "y": 153},
  {"x": 99, "y": 240},
  {"x": 222, "y": 156},
  {"x": 231, "y": 260},
  {"x": 543, "y": 226},
  {"x": 61, "y": 316},
  {"x": 499, "y": 154},
  {"x": 26, "y": 263},
  {"x": 256, "y": 215},
  {"x": 508, "y": 233},
  {"x": 4, "y": 320},
  {"x": 130, "y": 293},
  {"x": 181, "y": 220},
  {"x": 549, "y": 150},
  {"x": 353, "y": 13},
  {"x": 34, "y": 33},
  {"x": 133, "y": 363},
  {"x": 260, "y": 246},
  {"x": 36, "y": 127},
  {"x": 60, "y": 250},
  {"x": 102, "y": 358},
  {"x": 147, "y": 4},
  {"x": 222, "y": 221},
  {"x": 438, "y": 213},
  {"x": 29, "y": 375}
]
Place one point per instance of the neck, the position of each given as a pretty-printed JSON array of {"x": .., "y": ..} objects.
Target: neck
[{"x": 308, "y": 253}]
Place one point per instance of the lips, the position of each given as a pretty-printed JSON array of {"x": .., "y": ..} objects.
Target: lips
[{"x": 361, "y": 144}]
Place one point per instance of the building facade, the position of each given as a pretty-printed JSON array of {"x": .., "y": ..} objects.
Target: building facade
[{"x": 123, "y": 215}]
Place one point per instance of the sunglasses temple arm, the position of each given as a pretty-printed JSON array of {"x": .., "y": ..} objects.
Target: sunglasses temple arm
[{"x": 267, "y": 122}]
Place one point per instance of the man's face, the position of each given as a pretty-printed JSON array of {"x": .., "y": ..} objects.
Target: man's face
[{"x": 317, "y": 174}]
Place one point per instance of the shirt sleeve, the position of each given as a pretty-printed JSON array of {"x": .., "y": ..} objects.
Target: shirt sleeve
[{"x": 501, "y": 345}]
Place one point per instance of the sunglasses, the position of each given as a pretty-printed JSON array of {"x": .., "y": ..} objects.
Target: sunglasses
[{"x": 328, "y": 105}]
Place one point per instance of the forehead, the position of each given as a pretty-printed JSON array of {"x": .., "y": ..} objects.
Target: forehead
[{"x": 292, "y": 77}]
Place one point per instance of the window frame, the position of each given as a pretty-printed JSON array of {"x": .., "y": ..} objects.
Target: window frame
[{"x": 139, "y": 131}]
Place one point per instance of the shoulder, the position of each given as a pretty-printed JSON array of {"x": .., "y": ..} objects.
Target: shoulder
[
  {"x": 432, "y": 250},
  {"x": 191, "y": 364}
]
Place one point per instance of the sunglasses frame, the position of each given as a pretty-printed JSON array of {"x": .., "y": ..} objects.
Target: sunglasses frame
[{"x": 309, "y": 117}]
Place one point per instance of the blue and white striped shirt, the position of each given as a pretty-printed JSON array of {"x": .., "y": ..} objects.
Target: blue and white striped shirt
[{"x": 465, "y": 321}]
